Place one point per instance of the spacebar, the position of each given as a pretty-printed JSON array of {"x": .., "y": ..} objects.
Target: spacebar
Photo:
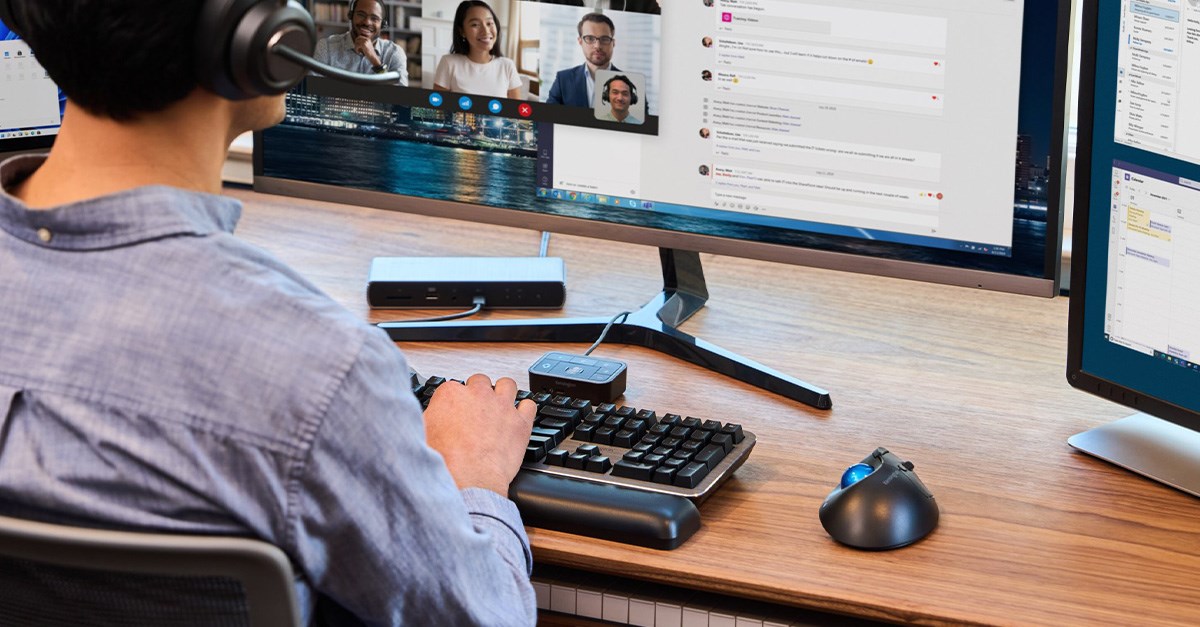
[{"x": 650, "y": 519}]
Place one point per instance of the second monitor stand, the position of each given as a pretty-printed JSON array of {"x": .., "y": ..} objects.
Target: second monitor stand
[{"x": 653, "y": 326}]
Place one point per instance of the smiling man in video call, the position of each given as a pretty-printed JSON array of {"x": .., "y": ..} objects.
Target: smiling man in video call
[
  {"x": 360, "y": 49},
  {"x": 576, "y": 86},
  {"x": 620, "y": 94}
]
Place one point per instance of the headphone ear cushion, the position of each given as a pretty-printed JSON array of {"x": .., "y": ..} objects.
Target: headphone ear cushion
[
  {"x": 233, "y": 42},
  {"x": 7, "y": 16}
]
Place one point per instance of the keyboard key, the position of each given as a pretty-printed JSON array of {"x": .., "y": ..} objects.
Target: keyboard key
[
  {"x": 664, "y": 475},
  {"x": 681, "y": 432},
  {"x": 711, "y": 425},
  {"x": 562, "y": 413},
  {"x": 653, "y": 459},
  {"x": 541, "y": 398},
  {"x": 700, "y": 435},
  {"x": 556, "y": 424},
  {"x": 634, "y": 457},
  {"x": 598, "y": 463},
  {"x": 690, "y": 475},
  {"x": 670, "y": 420},
  {"x": 624, "y": 438},
  {"x": 557, "y": 457},
  {"x": 724, "y": 440},
  {"x": 625, "y": 412},
  {"x": 648, "y": 415},
  {"x": 582, "y": 404},
  {"x": 577, "y": 460},
  {"x": 660, "y": 429},
  {"x": 615, "y": 422},
  {"x": 683, "y": 454},
  {"x": 553, "y": 434},
  {"x": 534, "y": 453},
  {"x": 691, "y": 445},
  {"x": 561, "y": 401},
  {"x": 630, "y": 470},
  {"x": 588, "y": 449},
  {"x": 605, "y": 408},
  {"x": 710, "y": 456},
  {"x": 734, "y": 431},
  {"x": 671, "y": 442},
  {"x": 692, "y": 423},
  {"x": 583, "y": 432},
  {"x": 603, "y": 435}
]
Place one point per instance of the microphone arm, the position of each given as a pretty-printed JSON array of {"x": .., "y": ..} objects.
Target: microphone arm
[{"x": 291, "y": 54}]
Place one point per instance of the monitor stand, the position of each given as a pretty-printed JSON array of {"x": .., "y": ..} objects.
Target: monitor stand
[
  {"x": 653, "y": 326},
  {"x": 1149, "y": 446}
]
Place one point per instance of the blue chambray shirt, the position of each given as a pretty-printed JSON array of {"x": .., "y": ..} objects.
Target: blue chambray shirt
[{"x": 158, "y": 374}]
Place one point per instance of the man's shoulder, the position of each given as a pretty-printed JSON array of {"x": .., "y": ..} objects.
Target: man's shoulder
[{"x": 572, "y": 72}]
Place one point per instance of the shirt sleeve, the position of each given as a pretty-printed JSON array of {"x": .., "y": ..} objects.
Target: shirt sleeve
[
  {"x": 398, "y": 62},
  {"x": 321, "y": 53},
  {"x": 379, "y": 525}
]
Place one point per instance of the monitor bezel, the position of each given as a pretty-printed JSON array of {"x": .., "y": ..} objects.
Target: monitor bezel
[
  {"x": 1047, "y": 285},
  {"x": 1077, "y": 376}
]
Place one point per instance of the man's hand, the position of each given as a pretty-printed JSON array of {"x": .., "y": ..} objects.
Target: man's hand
[
  {"x": 479, "y": 433},
  {"x": 364, "y": 46}
]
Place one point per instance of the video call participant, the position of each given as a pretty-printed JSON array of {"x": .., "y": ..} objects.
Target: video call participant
[
  {"x": 475, "y": 64},
  {"x": 360, "y": 49},
  {"x": 619, "y": 94},
  {"x": 576, "y": 86},
  {"x": 633, "y": 6},
  {"x": 160, "y": 374}
]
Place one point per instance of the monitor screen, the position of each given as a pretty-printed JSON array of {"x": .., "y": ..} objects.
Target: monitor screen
[
  {"x": 31, "y": 106},
  {"x": 922, "y": 140},
  {"x": 1135, "y": 268}
]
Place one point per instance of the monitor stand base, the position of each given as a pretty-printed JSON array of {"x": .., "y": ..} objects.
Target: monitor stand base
[
  {"x": 653, "y": 326},
  {"x": 1151, "y": 447}
]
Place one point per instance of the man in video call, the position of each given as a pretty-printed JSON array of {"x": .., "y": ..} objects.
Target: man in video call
[
  {"x": 160, "y": 374},
  {"x": 576, "y": 86},
  {"x": 360, "y": 49},
  {"x": 633, "y": 6},
  {"x": 620, "y": 94}
]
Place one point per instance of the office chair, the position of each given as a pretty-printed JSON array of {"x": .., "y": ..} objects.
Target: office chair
[{"x": 57, "y": 575}]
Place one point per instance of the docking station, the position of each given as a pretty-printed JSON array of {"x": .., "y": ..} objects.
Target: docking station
[{"x": 454, "y": 282}]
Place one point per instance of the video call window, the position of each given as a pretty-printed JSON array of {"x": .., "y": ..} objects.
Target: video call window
[{"x": 555, "y": 55}]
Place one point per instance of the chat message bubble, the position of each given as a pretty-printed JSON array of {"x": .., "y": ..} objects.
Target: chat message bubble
[
  {"x": 832, "y": 155},
  {"x": 794, "y": 20},
  {"x": 781, "y": 190},
  {"x": 754, "y": 83},
  {"x": 876, "y": 66}
]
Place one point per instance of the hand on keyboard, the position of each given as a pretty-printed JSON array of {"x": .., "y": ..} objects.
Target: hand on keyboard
[
  {"x": 456, "y": 415},
  {"x": 607, "y": 444}
]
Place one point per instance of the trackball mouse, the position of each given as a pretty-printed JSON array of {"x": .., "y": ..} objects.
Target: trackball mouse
[{"x": 879, "y": 504}]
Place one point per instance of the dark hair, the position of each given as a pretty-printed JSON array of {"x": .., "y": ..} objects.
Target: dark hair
[
  {"x": 379, "y": 3},
  {"x": 598, "y": 18},
  {"x": 460, "y": 45},
  {"x": 624, "y": 79},
  {"x": 115, "y": 58}
]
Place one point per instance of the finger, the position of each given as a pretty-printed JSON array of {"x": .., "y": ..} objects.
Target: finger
[
  {"x": 506, "y": 388},
  {"x": 479, "y": 379},
  {"x": 527, "y": 409}
]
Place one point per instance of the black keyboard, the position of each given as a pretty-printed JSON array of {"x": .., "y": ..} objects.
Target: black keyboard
[
  {"x": 627, "y": 447},
  {"x": 616, "y": 472}
]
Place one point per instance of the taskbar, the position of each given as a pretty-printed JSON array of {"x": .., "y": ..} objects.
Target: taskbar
[{"x": 743, "y": 213}]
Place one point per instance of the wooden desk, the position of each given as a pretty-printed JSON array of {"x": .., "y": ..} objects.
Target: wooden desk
[{"x": 968, "y": 385}]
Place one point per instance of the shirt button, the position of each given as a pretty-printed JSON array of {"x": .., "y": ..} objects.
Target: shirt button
[{"x": 45, "y": 235}]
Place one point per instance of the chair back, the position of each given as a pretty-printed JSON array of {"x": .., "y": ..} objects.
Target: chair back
[{"x": 59, "y": 575}]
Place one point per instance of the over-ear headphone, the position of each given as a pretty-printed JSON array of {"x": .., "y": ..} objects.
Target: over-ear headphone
[
  {"x": 624, "y": 79},
  {"x": 354, "y": 5},
  {"x": 234, "y": 40},
  {"x": 251, "y": 48}
]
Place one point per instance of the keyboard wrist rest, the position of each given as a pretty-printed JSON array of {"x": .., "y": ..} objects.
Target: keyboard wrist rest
[{"x": 609, "y": 512}]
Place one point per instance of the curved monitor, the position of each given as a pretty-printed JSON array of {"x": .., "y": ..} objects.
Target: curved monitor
[
  {"x": 920, "y": 140},
  {"x": 1135, "y": 268},
  {"x": 31, "y": 106}
]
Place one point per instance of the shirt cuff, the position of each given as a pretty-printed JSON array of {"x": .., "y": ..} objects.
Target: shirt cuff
[{"x": 498, "y": 513}]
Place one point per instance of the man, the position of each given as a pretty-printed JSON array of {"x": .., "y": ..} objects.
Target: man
[
  {"x": 576, "y": 86},
  {"x": 620, "y": 94},
  {"x": 360, "y": 49},
  {"x": 158, "y": 374},
  {"x": 633, "y": 6}
]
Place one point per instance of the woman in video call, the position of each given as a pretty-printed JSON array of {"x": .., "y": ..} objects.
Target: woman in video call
[{"x": 475, "y": 64}]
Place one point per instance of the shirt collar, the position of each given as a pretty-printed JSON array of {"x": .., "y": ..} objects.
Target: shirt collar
[{"x": 112, "y": 221}]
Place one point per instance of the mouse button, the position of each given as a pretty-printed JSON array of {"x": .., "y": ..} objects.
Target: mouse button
[{"x": 908, "y": 465}]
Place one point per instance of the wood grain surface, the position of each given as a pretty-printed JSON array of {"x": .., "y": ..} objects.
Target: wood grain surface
[{"x": 968, "y": 385}]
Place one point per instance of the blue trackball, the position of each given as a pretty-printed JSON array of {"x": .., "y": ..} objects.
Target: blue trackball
[{"x": 854, "y": 474}]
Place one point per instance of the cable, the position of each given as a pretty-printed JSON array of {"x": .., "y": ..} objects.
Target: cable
[
  {"x": 479, "y": 303},
  {"x": 545, "y": 248},
  {"x": 297, "y": 57},
  {"x": 624, "y": 315}
]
